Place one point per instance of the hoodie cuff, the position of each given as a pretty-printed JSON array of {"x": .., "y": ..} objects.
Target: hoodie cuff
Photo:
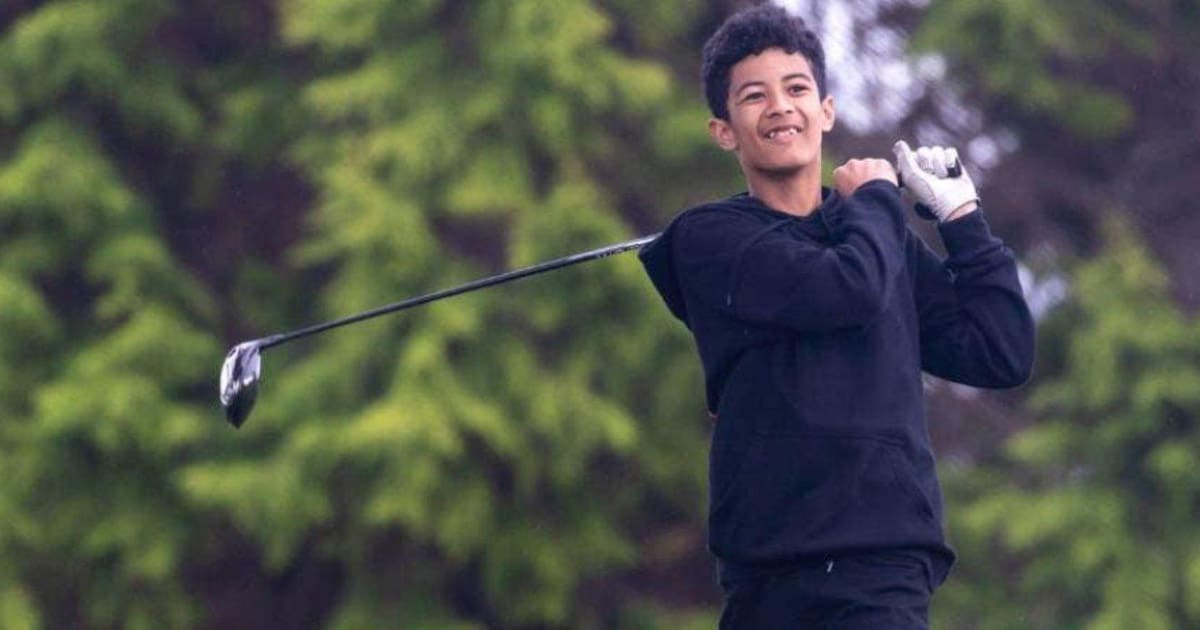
[{"x": 968, "y": 236}]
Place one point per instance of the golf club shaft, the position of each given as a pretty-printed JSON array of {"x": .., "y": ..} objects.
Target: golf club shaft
[{"x": 516, "y": 274}]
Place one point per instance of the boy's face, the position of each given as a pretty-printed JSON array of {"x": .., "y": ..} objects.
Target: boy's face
[{"x": 776, "y": 118}]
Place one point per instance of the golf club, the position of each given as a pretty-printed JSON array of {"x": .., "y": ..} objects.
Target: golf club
[
  {"x": 922, "y": 210},
  {"x": 242, "y": 369}
]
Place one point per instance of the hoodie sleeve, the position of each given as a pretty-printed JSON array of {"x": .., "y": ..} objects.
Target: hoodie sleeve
[
  {"x": 776, "y": 278},
  {"x": 975, "y": 326}
]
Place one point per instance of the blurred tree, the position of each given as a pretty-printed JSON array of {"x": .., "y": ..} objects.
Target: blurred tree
[
  {"x": 1086, "y": 112},
  {"x": 1088, "y": 518},
  {"x": 482, "y": 462},
  {"x": 1074, "y": 112},
  {"x": 1090, "y": 106},
  {"x": 104, "y": 336},
  {"x": 175, "y": 176}
]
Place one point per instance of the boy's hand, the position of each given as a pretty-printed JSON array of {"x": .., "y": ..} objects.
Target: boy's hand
[
  {"x": 926, "y": 176},
  {"x": 854, "y": 173}
]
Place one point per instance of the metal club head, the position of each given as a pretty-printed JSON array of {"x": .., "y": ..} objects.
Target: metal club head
[{"x": 239, "y": 381}]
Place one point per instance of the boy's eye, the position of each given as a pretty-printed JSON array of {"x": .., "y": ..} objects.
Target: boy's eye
[
  {"x": 752, "y": 96},
  {"x": 798, "y": 89}
]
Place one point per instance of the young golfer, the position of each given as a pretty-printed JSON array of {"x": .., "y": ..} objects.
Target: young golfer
[{"x": 814, "y": 311}]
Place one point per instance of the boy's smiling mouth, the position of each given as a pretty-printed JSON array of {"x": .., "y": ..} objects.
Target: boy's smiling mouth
[{"x": 782, "y": 133}]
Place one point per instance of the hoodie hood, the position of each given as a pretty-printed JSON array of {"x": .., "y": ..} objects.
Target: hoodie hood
[{"x": 656, "y": 258}]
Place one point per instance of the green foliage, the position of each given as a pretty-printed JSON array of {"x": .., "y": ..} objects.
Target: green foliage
[
  {"x": 1035, "y": 55},
  {"x": 87, "y": 49},
  {"x": 17, "y": 610},
  {"x": 500, "y": 430},
  {"x": 1088, "y": 519},
  {"x": 105, "y": 337},
  {"x": 175, "y": 176},
  {"x": 518, "y": 445}
]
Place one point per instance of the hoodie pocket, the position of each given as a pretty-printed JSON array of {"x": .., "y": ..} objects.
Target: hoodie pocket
[{"x": 807, "y": 493}]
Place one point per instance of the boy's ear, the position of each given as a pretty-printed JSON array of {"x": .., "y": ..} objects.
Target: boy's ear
[
  {"x": 722, "y": 134},
  {"x": 829, "y": 114}
]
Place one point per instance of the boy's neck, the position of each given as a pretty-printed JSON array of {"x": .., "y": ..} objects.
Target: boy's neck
[{"x": 797, "y": 193}]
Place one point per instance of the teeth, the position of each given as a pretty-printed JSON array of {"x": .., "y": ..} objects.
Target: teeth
[{"x": 790, "y": 131}]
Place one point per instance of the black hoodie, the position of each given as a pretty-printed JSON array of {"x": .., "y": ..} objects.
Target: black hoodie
[{"x": 813, "y": 333}]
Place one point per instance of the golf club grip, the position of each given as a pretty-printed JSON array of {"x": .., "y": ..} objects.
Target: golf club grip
[
  {"x": 954, "y": 170},
  {"x": 508, "y": 276},
  {"x": 922, "y": 210}
]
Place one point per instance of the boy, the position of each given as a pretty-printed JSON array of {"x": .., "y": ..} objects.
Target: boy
[{"x": 814, "y": 312}]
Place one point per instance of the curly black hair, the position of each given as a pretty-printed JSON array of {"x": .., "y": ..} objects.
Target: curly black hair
[{"x": 749, "y": 32}]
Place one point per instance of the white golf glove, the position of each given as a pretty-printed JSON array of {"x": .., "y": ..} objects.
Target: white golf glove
[{"x": 927, "y": 173}]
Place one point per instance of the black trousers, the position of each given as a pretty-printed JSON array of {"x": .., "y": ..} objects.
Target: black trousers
[{"x": 877, "y": 591}]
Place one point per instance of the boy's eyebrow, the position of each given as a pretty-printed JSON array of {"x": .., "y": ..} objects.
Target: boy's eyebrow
[{"x": 794, "y": 75}]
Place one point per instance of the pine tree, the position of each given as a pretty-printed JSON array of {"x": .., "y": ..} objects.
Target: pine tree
[
  {"x": 175, "y": 174},
  {"x": 1087, "y": 517}
]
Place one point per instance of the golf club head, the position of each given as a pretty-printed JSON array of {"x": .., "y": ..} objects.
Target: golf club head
[{"x": 239, "y": 381}]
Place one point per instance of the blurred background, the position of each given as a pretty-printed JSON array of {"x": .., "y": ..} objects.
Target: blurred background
[{"x": 179, "y": 176}]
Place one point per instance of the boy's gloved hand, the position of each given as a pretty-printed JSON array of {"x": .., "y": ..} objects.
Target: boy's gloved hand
[{"x": 929, "y": 174}]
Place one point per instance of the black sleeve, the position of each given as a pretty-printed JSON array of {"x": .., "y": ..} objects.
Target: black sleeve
[
  {"x": 773, "y": 278},
  {"x": 975, "y": 326}
]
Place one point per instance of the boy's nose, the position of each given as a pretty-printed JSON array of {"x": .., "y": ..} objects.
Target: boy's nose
[{"x": 780, "y": 104}]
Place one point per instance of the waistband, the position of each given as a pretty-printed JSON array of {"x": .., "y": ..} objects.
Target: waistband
[
  {"x": 937, "y": 565},
  {"x": 730, "y": 573}
]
